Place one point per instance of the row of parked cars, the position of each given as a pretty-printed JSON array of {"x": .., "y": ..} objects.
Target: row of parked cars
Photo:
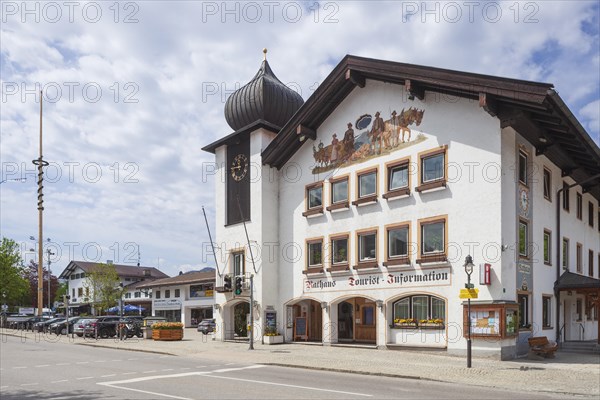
[{"x": 103, "y": 326}]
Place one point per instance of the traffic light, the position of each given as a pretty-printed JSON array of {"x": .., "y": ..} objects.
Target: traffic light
[
  {"x": 238, "y": 285},
  {"x": 227, "y": 284}
]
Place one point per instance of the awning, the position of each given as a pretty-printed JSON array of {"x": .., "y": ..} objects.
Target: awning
[{"x": 571, "y": 281}]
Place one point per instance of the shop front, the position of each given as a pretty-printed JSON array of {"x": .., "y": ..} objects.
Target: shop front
[{"x": 169, "y": 309}]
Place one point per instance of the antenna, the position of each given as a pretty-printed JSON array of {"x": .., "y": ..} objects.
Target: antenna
[{"x": 139, "y": 255}]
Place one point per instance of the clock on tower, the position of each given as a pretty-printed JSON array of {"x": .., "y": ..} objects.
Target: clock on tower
[{"x": 238, "y": 182}]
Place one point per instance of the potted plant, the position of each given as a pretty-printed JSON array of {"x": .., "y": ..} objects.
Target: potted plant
[
  {"x": 405, "y": 323},
  {"x": 434, "y": 323},
  {"x": 271, "y": 336},
  {"x": 167, "y": 331}
]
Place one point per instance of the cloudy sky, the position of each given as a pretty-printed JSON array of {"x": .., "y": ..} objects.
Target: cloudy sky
[{"x": 133, "y": 90}]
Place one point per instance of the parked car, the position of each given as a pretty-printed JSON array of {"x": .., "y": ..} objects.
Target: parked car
[
  {"x": 103, "y": 326},
  {"x": 60, "y": 327},
  {"x": 207, "y": 326},
  {"x": 42, "y": 326},
  {"x": 79, "y": 326},
  {"x": 28, "y": 324}
]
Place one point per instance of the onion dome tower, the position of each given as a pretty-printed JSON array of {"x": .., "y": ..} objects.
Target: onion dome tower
[{"x": 264, "y": 98}]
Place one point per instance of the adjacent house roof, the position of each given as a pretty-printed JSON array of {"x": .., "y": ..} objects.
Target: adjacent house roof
[
  {"x": 183, "y": 279},
  {"x": 533, "y": 109},
  {"x": 130, "y": 271},
  {"x": 570, "y": 281}
]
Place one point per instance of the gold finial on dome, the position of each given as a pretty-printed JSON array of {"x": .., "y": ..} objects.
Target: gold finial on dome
[{"x": 265, "y": 53}]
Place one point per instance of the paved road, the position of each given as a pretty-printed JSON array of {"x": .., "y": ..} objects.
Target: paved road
[{"x": 46, "y": 370}]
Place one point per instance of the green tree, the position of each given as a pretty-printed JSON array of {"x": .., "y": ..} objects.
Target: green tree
[
  {"x": 13, "y": 286},
  {"x": 102, "y": 282},
  {"x": 61, "y": 291}
]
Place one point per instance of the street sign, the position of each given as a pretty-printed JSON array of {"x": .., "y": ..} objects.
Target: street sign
[
  {"x": 4, "y": 307},
  {"x": 468, "y": 293}
]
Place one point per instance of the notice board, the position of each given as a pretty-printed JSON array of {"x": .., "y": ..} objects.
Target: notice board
[{"x": 300, "y": 329}]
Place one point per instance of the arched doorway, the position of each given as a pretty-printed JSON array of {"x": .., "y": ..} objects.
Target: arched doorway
[
  {"x": 357, "y": 320},
  {"x": 310, "y": 311},
  {"x": 241, "y": 311}
]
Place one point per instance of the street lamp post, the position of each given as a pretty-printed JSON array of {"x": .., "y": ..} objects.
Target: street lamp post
[
  {"x": 49, "y": 253},
  {"x": 469, "y": 271}
]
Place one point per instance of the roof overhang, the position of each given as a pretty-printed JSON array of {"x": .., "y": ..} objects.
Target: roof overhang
[
  {"x": 533, "y": 109},
  {"x": 570, "y": 281},
  {"x": 241, "y": 133}
]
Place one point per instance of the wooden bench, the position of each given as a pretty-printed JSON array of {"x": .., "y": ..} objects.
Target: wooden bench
[{"x": 541, "y": 346}]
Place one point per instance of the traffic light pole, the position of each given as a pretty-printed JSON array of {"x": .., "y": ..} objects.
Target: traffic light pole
[{"x": 251, "y": 312}]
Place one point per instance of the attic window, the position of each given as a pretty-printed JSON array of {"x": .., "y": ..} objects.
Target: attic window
[{"x": 146, "y": 272}]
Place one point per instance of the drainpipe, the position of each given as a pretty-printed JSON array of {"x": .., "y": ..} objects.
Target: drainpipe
[{"x": 559, "y": 247}]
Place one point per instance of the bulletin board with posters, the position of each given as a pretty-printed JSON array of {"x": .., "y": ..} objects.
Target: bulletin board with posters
[{"x": 489, "y": 320}]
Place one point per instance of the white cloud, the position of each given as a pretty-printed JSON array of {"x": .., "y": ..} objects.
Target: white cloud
[{"x": 175, "y": 67}]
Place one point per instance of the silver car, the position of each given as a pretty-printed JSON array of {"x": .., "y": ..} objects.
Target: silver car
[{"x": 79, "y": 326}]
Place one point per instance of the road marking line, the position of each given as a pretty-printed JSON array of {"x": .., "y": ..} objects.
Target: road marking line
[
  {"x": 129, "y": 373},
  {"x": 107, "y": 376},
  {"x": 3, "y": 387},
  {"x": 19, "y": 367},
  {"x": 200, "y": 366},
  {"x": 290, "y": 386},
  {"x": 183, "y": 369},
  {"x": 100, "y": 361},
  {"x": 63, "y": 364},
  {"x": 237, "y": 369},
  {"x": 85, "y": 377},
  {"x": 62, "y": 380},
  {"x": 167, "y": 369},
  {"x": 28, "y": 384},
  {"x": 147, "y": 392},
  {"x": 43, "y": 365},
  {"x": 229, "y": 364},
  {"x": 131, "y": 359},
  {"x": 115, "y": 360},
  {"x": 149, "y": 372},
  {"x": 82, "y": 362}
]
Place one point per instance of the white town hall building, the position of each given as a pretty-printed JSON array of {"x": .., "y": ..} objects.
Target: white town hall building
[{"x": 362, "y": 204}]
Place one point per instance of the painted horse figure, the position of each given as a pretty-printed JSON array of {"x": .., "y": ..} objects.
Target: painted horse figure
[{"x": 398, "y": 126}]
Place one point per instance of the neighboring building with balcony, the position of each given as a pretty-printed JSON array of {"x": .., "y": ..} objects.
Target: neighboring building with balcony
[
  {"x": 188, "y": 297},
  {"x": 365, "y": 201},
  {"x": 81, "y": 301}
]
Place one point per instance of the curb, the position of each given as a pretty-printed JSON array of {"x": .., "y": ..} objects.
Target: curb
[{"x": 126, "y": 349}]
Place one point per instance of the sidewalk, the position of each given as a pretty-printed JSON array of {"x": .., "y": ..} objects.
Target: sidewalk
[{"x": 568, "y": 373}]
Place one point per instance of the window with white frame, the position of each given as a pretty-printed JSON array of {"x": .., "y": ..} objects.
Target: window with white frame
[
  {"x": 547, "y": 184},
  {"x": 523, "y": 235},
  {"x": 367, "y": 246},
  {"x": 432, "y": 238},
  {"x": 433, "y": 168},
  {"x": 367, "y": 184},
  {"x": 339, "y": 250},
  {"x": 239, "y": 264},
  {"x": 547, "y": 247},
  {"x": 339, "y": 191},
  {"x": 420, "y": 308},
  {"x": 523, "y": 168},
  {"x": 397, "y": 242},
  {"x": 315, "y": 254},
  {"x": 546, "y": 311}
]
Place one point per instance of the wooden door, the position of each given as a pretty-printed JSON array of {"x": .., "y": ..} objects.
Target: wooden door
[
  {"x": 315, "y": 326},
  {"x": 365, "y": 321}
]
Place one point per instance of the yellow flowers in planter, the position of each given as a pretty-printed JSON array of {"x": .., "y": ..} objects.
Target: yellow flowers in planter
[
  {"x": 167, "y": 325},
  {"x": 407, "y": 321}
]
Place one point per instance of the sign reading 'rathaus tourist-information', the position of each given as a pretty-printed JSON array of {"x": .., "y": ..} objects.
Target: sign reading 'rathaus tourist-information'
[{"x": 433, "y": 277}]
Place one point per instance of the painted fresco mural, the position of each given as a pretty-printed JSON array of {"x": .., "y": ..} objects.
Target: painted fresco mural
[{"x": 369, "y": 137}]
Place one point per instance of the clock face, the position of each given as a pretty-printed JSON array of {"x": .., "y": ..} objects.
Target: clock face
[
  {"x": 524, "y": 200},
  {"x": 239, "y": 167}
]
